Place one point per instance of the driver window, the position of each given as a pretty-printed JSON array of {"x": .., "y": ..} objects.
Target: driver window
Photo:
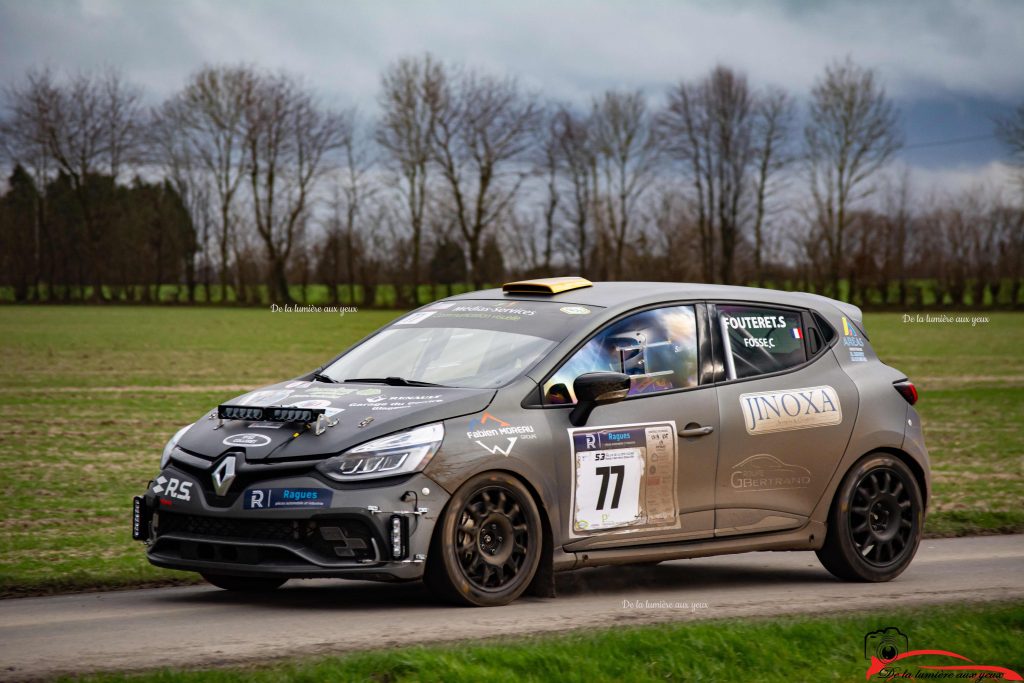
[
  {"x": 762, "y": 340},
  {"x": 657, "y": 349}
]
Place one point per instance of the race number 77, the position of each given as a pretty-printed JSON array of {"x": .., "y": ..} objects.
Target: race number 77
[{"x": 605, "y": 474}]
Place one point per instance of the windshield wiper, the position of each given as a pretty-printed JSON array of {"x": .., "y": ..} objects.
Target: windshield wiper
[
  {"x": 321, "y": 377},
  {"x": 392, "y": 381}
]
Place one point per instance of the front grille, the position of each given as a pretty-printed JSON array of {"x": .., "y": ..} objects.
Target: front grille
[{"x": 330, "y": 538}]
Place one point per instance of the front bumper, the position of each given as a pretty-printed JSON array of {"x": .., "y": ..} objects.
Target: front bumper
[{"x": 350, "y": 535}]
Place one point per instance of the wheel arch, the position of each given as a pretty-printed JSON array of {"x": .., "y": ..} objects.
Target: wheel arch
[
  {"x": 543, "y": 582},
  {"x": 911, "y": 462}
]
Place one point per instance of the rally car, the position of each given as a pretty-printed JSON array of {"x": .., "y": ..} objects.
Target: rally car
[{"x": 486, "y": 441}]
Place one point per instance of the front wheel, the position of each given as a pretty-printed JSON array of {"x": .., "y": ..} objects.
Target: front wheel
[
  {"x": 244, "y": 584},
  {"x": 875, "y": 523},
  {"x": 487, "y": 546}
]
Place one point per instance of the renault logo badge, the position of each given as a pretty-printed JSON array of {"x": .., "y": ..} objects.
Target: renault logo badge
[{"x": 224, "y": 475}]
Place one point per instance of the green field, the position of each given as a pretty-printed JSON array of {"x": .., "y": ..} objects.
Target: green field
[
  {"x": 777, "y": 650},
  {"x": 89, "y": 395}
]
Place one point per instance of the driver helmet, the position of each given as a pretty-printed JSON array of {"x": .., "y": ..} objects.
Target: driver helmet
[{"x": 626, "y": 352}]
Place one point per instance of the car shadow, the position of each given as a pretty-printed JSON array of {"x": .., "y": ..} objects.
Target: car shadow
[
  {"x": 611, "y": 582},
  {"x": 689, "y": 574}
]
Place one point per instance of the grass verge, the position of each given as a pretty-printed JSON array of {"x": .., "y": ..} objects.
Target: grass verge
[{"x": 772, "y": 650}]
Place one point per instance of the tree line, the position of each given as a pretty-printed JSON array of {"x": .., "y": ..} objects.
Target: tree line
[{"x": 243, "y": 186}]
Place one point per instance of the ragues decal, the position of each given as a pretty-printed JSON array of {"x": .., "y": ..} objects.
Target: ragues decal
[
  {"x": 625, "y": 476},
  {"x": 496, "y": 435},
  {"x": 248, "y": 440},
  {"x": 575, "y": 310},
  {"x": 267, "y": 499},
  {"x": 764, "y": 472},
  {"x": 780, "y": 411}
]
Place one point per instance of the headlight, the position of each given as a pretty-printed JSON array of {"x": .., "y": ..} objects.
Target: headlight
[
  {"x": 396, "y": 454},
  {"x": 166, "y": 457}
]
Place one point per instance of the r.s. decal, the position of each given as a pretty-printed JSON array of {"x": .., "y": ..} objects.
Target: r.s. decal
[
  {"x": 173, "y": 488},
  {"x": 785, "y": 410}
]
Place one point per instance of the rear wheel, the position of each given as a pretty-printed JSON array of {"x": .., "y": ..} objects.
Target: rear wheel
[
  {"x": 487, "y": 547},
  {"x": 875, "y": 522},
  {"x": 246, "y": 584}
]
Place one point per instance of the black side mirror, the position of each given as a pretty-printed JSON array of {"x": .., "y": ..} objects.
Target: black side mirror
[{"x": 596, "y": 389}]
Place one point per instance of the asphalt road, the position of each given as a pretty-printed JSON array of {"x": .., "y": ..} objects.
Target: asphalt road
[{"x": 201, "y": 626}]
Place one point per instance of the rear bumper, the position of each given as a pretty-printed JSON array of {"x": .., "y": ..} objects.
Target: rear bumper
[{"x": 354, "y": 536}]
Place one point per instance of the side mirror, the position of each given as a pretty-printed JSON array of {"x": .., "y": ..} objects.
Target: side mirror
[{"x": 597, "y": 389}]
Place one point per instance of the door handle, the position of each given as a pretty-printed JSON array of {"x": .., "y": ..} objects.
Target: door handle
[{"x": 696, "y": 431}]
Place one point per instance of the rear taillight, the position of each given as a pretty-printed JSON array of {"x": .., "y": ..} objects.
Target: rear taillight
[{"x": 907, "y": 390}]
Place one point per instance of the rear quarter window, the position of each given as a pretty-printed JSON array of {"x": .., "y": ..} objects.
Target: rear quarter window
[{"x": 760, "y": 340}]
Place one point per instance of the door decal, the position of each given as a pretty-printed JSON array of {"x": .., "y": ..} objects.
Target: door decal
[
  {"x": 624, "y": 476},
  {"x": 780, "y": 411}
]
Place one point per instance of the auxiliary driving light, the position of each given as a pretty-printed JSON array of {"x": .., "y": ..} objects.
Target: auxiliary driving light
[{"x": 399, "y": 536}]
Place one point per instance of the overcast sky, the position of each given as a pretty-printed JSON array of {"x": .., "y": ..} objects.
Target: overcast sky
[{"x": 950, "y": 66}]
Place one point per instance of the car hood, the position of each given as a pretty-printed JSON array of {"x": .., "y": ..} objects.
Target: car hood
[{"x": 361, "y": 411}]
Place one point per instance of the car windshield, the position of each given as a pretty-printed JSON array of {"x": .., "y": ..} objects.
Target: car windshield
[
  {"x": 450, "y": 356},
  {"x": 463, "y": 343}
]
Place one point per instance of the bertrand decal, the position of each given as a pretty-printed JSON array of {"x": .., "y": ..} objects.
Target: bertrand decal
[
  {"x": 780, "y": 411},
  {"x": 764, "y": 472}
]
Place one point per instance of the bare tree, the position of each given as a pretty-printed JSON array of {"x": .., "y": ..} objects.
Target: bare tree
[
  {"x": 354, "y": 188},
  {"x": 852, "y": 132},
  {"x": 289, "y": 138},
  {"x": 897, "y": 235},
  {"x": 208, "y": 114},
  {"x": 169, "y": 148},
  {"x": 481, "y": 140},
  {"x": 627, "y": 153},
  {"x": 578, "y": 163},
  {"x": 548, "y": 160},
  {"x": 773, "y": 119},
  {"x": 1010, "y": 131},
  {"x": 405, "y": 131},
  {"x": 676, "y": 243},
  {"x": 709, "y": 127}
]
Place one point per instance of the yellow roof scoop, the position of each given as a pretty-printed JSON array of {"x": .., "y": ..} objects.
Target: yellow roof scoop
[{"x": 547, "y": 285}]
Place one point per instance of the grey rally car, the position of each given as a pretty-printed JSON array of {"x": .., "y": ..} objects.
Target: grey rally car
[{"x": 488, "y": 440}]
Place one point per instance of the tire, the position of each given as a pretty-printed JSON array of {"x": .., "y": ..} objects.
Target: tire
[
  {"x": 875, "y": 523},
  {"x": 244, "y": 584},
  {"x": 487, "y": 546}
]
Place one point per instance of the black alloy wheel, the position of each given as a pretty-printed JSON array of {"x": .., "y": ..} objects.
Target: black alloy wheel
[
  {"x": 487, "y": 546},
  {"x": 881, "y": 517},
  {"x": 875, "y": 523}
]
